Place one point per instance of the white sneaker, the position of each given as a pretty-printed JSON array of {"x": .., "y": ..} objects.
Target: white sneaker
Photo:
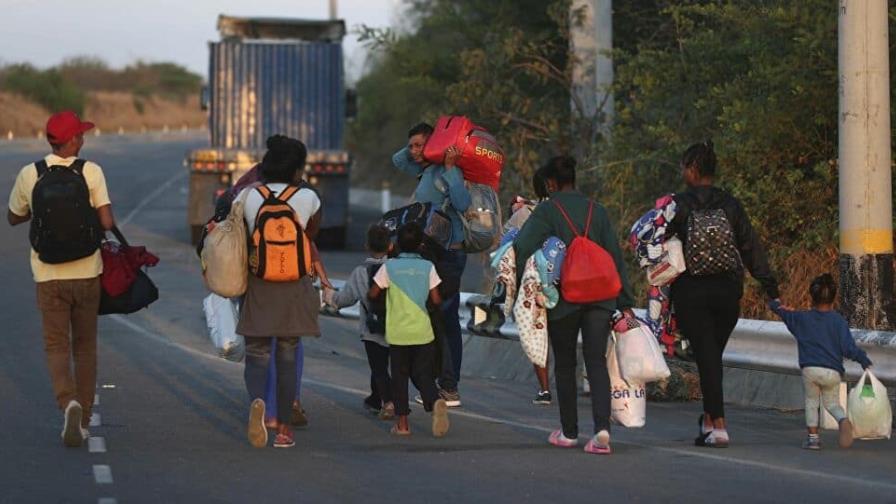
[{"x": 71, "y": 431}]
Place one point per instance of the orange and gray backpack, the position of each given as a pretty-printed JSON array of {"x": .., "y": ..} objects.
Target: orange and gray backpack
[{"x": 280, "y": 250}]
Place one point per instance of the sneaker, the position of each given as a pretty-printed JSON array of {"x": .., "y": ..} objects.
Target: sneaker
[
  {"x": 284, "y": 439},
  {"x": 388, "y": 412},
  {"x": 846, "y": 437},
  {"x": 298, "y": 418},
  {"x": 440, "y": 421},
  {"x": 258, "y": 434},
  {"x": 374, "y": 409},
  {"x": 71, "y": 430},
  {"x": 812, "y": 443},
  {"x": 452, "y": 399},
  {"x": 599, "y": 444},
  {"x": 558, "y": 439},
  {"x": 543, "y": 397}
]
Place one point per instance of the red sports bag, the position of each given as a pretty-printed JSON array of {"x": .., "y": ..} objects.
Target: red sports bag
[
  {"x": 481, "y": 158},
  {"x": 589, "y": 273}
]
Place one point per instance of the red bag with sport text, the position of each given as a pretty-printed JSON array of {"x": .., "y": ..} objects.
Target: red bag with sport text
[
  {"x": 481, "y": 158},
  {"x": 589, "y": 274}
]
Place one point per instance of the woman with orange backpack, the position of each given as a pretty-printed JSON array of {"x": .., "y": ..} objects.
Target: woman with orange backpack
[
  {"x": 593, "y": 284},
  {"x": 281, "y": 304}
]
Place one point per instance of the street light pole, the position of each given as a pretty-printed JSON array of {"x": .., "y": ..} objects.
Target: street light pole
[
  {"x": 591, "y": 40},
  {"x": 866, "y": 198}
]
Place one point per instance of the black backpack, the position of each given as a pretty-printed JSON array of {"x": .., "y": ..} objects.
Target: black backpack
[
  {"x": 376, "y": 309},
  {"x": 711, "y": 245},
  {"x": 64, "y": 226}
]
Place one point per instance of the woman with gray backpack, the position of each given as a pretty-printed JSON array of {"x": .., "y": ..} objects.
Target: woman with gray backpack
[{"x": 719, "y": 243}]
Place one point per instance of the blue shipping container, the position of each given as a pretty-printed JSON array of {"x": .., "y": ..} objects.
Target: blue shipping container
[{"x": 258, "y": 89}]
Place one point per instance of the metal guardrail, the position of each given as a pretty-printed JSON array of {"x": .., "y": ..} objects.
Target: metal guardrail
[{"x": 758, "y": 345}]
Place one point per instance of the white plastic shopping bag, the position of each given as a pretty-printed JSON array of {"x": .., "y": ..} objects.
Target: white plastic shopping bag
[
  {"x": 869, "y": 409},
  {"x": 221, "y": 317},
  {"x": 628, "y": 402},
  {"x": 639, "y": 354}
]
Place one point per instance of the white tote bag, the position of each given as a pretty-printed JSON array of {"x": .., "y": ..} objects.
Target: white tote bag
[
  {"x": 221, "y": 317},
  {"x": 639, "y": 354},
  {"x": 628, "y": 401},
  {"x": 670, "y": 265},
  {"x": 869, "y": 409}
]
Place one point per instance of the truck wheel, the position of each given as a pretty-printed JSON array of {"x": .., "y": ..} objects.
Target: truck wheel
[{"x": 195, "y": 234}]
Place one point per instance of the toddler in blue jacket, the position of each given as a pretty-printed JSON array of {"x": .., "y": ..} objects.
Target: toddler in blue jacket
[{"x": 823, "y": 340}]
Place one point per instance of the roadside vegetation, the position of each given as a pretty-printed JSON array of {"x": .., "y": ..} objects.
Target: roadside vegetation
[{"x": 758, "y": 77}]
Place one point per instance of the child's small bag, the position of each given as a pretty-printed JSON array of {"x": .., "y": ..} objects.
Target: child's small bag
[{"x": 869, "y": 409}]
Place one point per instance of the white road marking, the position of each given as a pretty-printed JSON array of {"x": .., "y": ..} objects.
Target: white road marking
[
  {"x": 704, "y": 454},
  {"x": 151, "y": 196},
  {"x": 95, "y": 420},
  {"x": 107, "y": 500},
  {"x": 96, "y": 444},
  {"x": 96, "y": 399},
  {"x": 102, "y": 474}
]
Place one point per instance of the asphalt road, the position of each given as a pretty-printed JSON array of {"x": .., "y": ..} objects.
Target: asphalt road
[{"x": 172, "y": 414}]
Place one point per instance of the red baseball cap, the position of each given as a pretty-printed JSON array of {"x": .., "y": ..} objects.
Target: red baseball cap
[{"x": 63, "y": 126}]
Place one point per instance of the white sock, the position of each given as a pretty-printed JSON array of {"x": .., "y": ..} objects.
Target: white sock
[{"x": 719, "y": 434}]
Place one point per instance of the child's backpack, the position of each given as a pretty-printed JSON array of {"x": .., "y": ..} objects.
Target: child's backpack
[
  {"x": 711, "y": 247},
  {"x": 64, "y": 226},
  {"x": 376, "y": 308},
  {"x": 588, "y": 273},
  {"x": 281, "y": 252}
]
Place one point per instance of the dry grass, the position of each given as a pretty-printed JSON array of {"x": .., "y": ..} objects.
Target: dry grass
[
  {"x": 109, "y": 110},
  {"x": 794, "y": 272}
]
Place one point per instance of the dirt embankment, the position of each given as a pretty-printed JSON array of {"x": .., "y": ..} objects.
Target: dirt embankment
[{"x": 110, "y": 111}]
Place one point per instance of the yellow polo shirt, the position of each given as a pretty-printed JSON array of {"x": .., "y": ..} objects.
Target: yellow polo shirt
[{"x": 20, "y": 204}]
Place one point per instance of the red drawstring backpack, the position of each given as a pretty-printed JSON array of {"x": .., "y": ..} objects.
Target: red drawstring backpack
[{"x": 589, "y": 273}]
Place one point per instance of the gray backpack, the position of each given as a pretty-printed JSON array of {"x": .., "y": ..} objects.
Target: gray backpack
[{"x": 711, "y": 246}]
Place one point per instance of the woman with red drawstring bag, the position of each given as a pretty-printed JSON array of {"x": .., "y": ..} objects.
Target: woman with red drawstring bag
[{"x": 593, "y": 285}]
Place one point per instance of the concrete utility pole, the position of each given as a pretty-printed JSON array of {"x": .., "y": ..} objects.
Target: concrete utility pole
[
  {"x": 333, "y": 11},
  {"x": 866, "y": 198},
  {"x": 591, "y": 40}
]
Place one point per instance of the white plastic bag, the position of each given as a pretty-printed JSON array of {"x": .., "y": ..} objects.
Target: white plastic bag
[
  {"x": 670, "y": 265},
  {"x": 869, "y": 409},
  {"x": 639, "y": 354},
  {"x": 628, "y": 402},
  {"x": 221, "y": 317}
]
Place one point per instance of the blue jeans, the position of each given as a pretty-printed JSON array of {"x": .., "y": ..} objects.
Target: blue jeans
[
  {"x": 261, "y": 353},
  {"x": 271, "y": 388},
  {"x": 451, "y": 269}
]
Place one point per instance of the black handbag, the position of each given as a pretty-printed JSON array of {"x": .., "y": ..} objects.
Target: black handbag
[{"x": 142, "y": 293}]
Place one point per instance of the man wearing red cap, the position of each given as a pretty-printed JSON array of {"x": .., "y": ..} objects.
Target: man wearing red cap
[{"x": 67, "y": 202}]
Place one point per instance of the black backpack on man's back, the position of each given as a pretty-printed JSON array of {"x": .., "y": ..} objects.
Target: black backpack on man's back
[{"x": 64, "y": 226}]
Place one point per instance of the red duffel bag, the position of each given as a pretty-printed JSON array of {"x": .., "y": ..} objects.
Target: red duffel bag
[
  {"x": 481, "y": 158},
  {"x": 121, "y": 262}
]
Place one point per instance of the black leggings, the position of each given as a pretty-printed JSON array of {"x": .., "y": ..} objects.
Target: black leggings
[
  {"x": 414, "y": 362},
  {"x": 258, "y": 357},
  {"x": 380, "y": 382},
  {"x": 564, "y": 334},
  {"x": 707, "y": 309}
]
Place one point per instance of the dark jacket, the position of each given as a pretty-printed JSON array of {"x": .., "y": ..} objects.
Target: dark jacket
[
  {"x": 751, "y": 250},
  {"x": 546, "y": 221}
]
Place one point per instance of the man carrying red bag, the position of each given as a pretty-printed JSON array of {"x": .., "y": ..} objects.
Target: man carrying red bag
[{"x": 438, "y": 184}]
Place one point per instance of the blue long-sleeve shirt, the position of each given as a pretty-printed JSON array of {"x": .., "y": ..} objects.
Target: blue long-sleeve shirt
[
  {"x": 436, "y": 185},
  {"x": 823, "y": 338}
]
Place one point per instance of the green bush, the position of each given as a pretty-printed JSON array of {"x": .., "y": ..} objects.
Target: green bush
[{"x": 46, "y": 87}]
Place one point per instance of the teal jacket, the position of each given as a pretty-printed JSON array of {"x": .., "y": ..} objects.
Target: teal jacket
[
  {"x": 546, "y": 221},
  {"x": 436, "y": 185}
]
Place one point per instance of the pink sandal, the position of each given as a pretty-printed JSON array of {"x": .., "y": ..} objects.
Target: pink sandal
[
  {"x": 558, "y": 439},
  {"x": 599, "y": 444}
]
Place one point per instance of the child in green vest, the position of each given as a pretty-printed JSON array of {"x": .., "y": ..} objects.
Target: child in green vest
[{"x": 410, "y": 281}]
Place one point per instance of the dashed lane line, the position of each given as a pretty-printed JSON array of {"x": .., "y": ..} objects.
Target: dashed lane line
[
  {"x": 96, "y": 444},
  {"x": 102, "y": 474},
  {"x": 677, "y": 451}
]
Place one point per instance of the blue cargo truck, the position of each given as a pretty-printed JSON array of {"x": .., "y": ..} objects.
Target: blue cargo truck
[{"x": 274, "y": 76}]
